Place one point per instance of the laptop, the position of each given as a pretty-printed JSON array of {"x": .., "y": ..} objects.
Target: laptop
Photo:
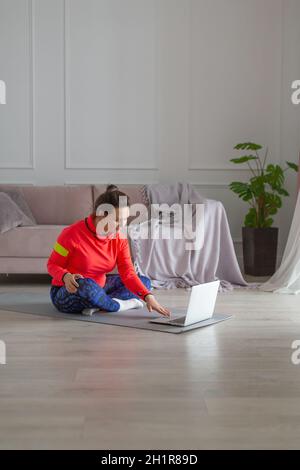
[{"x": 200, "y": 308}]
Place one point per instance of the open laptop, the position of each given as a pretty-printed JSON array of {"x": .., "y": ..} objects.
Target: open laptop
[{"x": 200, "y": 308}]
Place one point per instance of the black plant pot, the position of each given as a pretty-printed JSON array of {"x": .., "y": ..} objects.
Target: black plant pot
[{"x": 260, "y": 250}]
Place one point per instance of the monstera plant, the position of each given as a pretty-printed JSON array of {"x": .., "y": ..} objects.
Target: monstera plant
[{"x": 263, "y": 193}]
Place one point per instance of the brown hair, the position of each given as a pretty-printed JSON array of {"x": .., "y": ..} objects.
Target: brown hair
[{"x": 111, "y": 196}]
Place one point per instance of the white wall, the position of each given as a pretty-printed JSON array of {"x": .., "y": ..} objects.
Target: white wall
[
  {"x": 147, "y": 91},
  {"x": 290, "y": 114}
]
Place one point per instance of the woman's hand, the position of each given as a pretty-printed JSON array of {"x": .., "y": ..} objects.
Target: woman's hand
[
  {"x": 152, "y": 304},
  {"x": 70, "y": 282}
]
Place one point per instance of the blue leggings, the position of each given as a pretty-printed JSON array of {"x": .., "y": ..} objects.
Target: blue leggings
[{"x": 90, "y": 295}]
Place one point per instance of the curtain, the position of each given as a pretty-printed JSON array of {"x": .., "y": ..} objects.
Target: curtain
[{"x": 286, "y": 280}]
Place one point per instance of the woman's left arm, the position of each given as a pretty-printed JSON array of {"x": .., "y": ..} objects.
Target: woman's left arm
[
  {"x": 133, "y": 282},
  {"x": 127, "y": 271}
]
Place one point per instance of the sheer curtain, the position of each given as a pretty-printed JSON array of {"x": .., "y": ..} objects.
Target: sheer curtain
[{"x": 286, "y": 280}]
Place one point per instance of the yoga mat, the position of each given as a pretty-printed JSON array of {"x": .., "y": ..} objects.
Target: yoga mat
[{"x": 40, "y": 304}]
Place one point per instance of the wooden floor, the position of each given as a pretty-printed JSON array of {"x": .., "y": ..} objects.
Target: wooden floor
[{"x": 76, "y": 385}]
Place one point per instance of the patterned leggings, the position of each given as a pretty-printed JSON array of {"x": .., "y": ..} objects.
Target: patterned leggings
[{"x": 90, "y": 295}]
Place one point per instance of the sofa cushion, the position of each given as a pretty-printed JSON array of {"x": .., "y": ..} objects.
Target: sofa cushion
[
  {"x": 36, "y": 241},
  {"x": 11, "y": 215},
  {"x": 57, "y": 205},
  {"x": 17, "y": 195}
]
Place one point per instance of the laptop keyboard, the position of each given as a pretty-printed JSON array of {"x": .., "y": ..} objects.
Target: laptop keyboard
[{"x": 178, "y": 320}]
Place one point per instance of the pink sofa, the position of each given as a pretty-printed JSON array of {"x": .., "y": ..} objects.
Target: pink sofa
[{"x": 26, "y": 249}]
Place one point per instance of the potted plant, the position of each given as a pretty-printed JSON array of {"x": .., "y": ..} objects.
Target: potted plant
[{"x": 263, "y": 193}]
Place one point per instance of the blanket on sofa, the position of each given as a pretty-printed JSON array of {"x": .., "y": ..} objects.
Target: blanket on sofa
[{"x": 167, "y": 262}]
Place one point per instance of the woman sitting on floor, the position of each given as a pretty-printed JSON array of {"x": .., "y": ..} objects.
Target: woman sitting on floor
[{"x": 82, "y": 256}]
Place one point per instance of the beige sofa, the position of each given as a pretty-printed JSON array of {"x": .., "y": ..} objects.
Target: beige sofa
[{"x": 26, "y": 249}]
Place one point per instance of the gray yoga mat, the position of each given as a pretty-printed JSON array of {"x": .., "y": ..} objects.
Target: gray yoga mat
[{"x": 40, "y": 304}]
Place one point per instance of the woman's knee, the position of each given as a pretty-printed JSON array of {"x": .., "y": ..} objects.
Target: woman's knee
[
  {"x": 86, "y": 285},
  {"x": 70, "y": 309},
  {"x": 86, "y": 281},
  {"x": 66, "y": 302},
  {"x": 63, "y": 306},
  {"x": 89, "y": 291}
]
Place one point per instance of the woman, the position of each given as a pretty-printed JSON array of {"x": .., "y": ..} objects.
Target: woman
[{"x": 89, "y": 249}]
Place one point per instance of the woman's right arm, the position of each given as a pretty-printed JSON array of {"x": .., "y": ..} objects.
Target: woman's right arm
[
  {"x": 60, "y": 255},
  {"x": 58, "y": 261}
]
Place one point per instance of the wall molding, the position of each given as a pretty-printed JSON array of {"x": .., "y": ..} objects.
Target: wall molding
[
  {"x": 211, "y": 185},
  {"x": 211, "y": 168},
  {"x": 191, "y": 166},
  {"x": 31, "y": 90},
  {"x": 31, "y": 17},
  {"x": 67, "y": 100},
  {"x": 18, "y": 183},
  {"x": 216, "y": 186},
  {"x": 80, "y": 183}
]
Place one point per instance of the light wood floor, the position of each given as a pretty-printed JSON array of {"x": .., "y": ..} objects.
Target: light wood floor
[{"x": 71, "y": 384}]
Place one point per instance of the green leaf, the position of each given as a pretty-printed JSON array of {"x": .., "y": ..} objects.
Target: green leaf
[
  {"x": 257, "y": 186},
  {"x": 242, "y": 189},
  {"x": 282, "y": 192},
  {"x": 273, "y": 201},
  {"x": 244, "y": 159},
  {"x": 248, "y": 146},
  {"x": 251, "y": 218},
  {"x": 274, "y": 176},
  {"x": 293, "y": 166},
  {"x": 268, "y": 222},
  {"x": 265, "y": 188},
  {"x": 273, "y": 211}
]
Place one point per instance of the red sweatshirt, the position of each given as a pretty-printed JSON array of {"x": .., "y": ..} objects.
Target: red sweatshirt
[{"x": 78, "y": 250}]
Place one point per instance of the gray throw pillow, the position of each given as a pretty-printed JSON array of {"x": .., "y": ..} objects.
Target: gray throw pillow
[
  {"x": 18, "y": 197},
  {"x": 11, "y": 215}
]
